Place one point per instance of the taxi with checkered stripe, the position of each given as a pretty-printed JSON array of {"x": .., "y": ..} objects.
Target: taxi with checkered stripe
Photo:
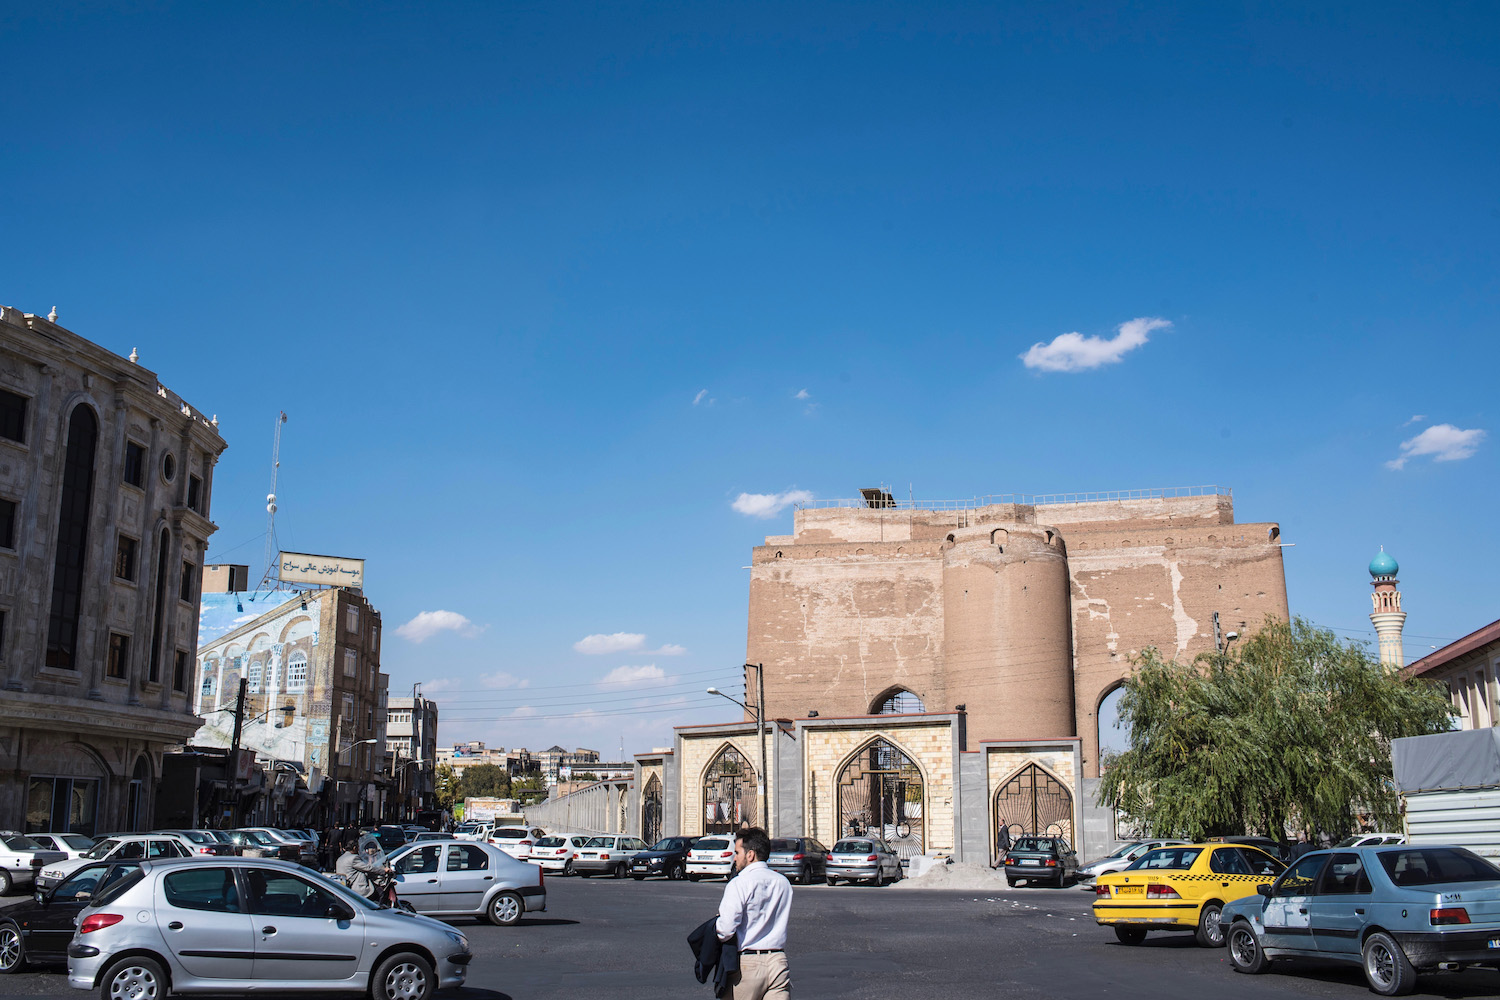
[{"x": 1182, "y": 887}]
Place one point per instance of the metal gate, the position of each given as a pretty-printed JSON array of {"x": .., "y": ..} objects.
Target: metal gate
[
  {"x": 881, "y": 794},
  {"x": 728, "y": 793},
  {"x": 651, "y": 811},
  {"x": 1034, "y": 802}
]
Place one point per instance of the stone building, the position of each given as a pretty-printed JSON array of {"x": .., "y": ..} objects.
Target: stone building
[
  {"x": 105, "y": 482},
  {"x": 933, "y": 672},
  {"x": 315, "y": 695},
  {"x": 411, "y": 755}
]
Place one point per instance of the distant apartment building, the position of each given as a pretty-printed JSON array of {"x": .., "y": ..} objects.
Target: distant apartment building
[
  {"x": 315, "y": 695},
  {"x": 411, "y": 755},
  {"x": 105, "y": 481}
]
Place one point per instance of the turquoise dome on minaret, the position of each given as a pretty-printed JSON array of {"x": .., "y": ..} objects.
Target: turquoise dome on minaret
[{"x": 1383, "y": 565}]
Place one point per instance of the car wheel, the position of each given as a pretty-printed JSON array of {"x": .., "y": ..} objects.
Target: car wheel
[
  {"x": 677, "y": 872},
  {"x": 805, "y": 876},
  {"x": 1129, "y": 935},
  {"x": 1210, "y": 933},
  {"x": 1386, "y": 968},
  {"x": 620, "y": 870},
  {"x": 1010, "y": 882},
  {"x": 403, "y": 976},
  {"x": 879, "y": 880},
  {"x": 506, "y": 909},
  {"x": 831, "y": 880},
  {"x": 6, "y": 884},
  {"x": 135, "y": 978},
  {"x": 12, "y": 949},
  {"x": 693, "y": 876},
  {"x": 568, "y": 867},
  {"x": 1245, "y": 953}
]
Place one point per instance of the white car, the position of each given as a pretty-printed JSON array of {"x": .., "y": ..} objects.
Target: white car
[
  {"x": 608, "y": 854},
  {"x": 711, "y": 856},
  {"x": 517, "y": 841},
  {"x": 1371, "y": 840},
  {"x": 21, "y": 858},
  {"x": 126, "y": 847},
  {"x": 556, "y": 853},
  {"x": 1121, "y": 858},
  {"x": 71, "y": 844},
  {"x": 472, "y": 830}
]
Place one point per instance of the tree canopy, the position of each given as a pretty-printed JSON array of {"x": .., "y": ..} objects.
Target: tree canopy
[
  {"x": 484, "y": 781},
  {"x": 1293, "y": 727}
]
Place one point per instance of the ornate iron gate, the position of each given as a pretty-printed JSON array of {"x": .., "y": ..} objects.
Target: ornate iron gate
[
  {"x": 881, "y": 794},
  {"x": 651, "y": 811},
  {"x": 1034, "y": 802},
  {"x": 728, "y": 793}
]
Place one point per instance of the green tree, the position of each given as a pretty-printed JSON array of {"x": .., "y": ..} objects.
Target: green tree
[
  {"x": 484, "y": 780},
  {"x": 1293, "y": 727},
  {"x": 529, "y": 790},
  {"x": 446, "y": 786}
]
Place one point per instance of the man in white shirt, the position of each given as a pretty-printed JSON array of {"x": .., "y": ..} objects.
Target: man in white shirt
[{"x": 756, "y": 906}]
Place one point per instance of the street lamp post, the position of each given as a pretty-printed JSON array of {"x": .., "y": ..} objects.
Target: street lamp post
[
  {"x": 351, "y": 746},
  {"x": 760, "y": 736}
]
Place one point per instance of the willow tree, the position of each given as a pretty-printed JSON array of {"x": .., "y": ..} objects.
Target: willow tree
[{"x": 1293, "y": 726}]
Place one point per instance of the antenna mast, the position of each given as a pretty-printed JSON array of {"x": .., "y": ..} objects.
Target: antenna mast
[{"x": 272, "y": 570}]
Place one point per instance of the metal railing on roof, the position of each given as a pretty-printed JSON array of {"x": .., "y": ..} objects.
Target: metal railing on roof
[{"x": 889, "y": 502}]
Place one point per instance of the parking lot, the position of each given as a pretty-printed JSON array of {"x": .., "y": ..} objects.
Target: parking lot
[{"x": 622, "y": 940}]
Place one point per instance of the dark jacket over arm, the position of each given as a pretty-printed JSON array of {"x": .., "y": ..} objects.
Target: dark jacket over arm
[{"x": 712, "y": 956}]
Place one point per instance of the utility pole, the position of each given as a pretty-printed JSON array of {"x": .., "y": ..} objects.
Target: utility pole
[
  {"x": 1218, "y": 636},
  {"x": 234, "y": 750},
  {"x": 760, "y": 736}
]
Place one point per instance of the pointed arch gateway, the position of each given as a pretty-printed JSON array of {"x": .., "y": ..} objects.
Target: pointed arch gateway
[
  {"x": 1033, "y": 801},
  {"x": 729, "y": 792},
  {"x": 651, "y": 811},
  {"x": 881, "y": 793}
]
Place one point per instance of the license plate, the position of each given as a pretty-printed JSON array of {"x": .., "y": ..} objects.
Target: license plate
[
  {"x": 1495, "y": 942},
  {"x": 1030, "y": 861},
  {"x": 1130, "y": 890}
]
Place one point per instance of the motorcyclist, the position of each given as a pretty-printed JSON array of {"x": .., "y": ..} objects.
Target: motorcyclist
[{"x": 362, "y": 867}]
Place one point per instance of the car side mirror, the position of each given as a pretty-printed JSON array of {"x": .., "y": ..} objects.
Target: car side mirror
[
  {"x": 41, "y": 897},
  {"x": 339, "y": 911},
  {"x": 1263, "y": 889}
]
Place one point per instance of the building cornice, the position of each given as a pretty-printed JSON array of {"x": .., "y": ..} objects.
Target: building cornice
[{"x": 61, "y": 714}]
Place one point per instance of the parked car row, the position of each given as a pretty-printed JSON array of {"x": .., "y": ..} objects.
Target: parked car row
[{"x": 1394, "y": 909}]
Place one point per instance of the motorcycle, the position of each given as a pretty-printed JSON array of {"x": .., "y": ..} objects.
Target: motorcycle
[{"x": 384, "y": 881}]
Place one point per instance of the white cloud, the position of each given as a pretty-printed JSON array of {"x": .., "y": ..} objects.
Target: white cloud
[
  {"x": 523, "y": 711},
  {"x": 430, "y": 623},
  {"x": 802, "y": 394},
  {"x": 617, "y": 642},
  {"x": 1416, "y": 419},
  {"x": 670, "y": 649},
  {"x": 768, "y": 505},
  {"x": 702, "y": 394},
  {"x": 1444, "y": 442},
  {"x": 501, "y": 679},
  {"x": 1073, "y": 352},
  {"x": 648, "y": 674}
]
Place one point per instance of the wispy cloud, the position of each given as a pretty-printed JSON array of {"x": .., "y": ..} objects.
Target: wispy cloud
[
  {"x": 616, "y": 642},
  {"x": 1073, "y": 352},
  {"x": 802, "y": 394},
  {"x": 670, "y": 649},
  {"x": 523, "y": 712},
  {"x": 430, "y": 623},
  {"x": 703, "y": 397},
  {"x": 1417, "y": 418},
  {"x": 642, "y": 676},
  {"x": 1444, "y": 442},
  {"x": 768, "y": 505}
]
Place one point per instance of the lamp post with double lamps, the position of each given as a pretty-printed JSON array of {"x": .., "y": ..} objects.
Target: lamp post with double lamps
[{"x": 760, "y": 737}]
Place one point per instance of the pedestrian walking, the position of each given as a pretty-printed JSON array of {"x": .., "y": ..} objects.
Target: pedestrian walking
[
  {"x": 1302, "y": 846},
  {"x": 1002, "y": 845},
  {"x": 755, "y": 909}
]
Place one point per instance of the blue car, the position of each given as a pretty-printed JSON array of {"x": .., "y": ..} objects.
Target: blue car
[{"x": 1395, "y": 910}]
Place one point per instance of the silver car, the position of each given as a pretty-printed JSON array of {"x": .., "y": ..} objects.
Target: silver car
[
  {"x": 1121, "y": 858},
  {"x": 862, "y": 859},
  {"x": 237, "y": 925},
  {"x": 462, "y": 878}
]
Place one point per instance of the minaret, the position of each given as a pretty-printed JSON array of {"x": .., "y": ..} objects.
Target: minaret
[{"x": 1388, "y": 618}]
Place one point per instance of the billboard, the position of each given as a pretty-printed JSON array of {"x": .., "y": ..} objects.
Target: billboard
[{"x": 324, "y": 571}]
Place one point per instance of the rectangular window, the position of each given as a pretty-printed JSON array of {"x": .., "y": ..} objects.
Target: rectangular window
[
  {"x": 195, "y": 493},
  {"x": 296, "y": 672},
  {"x": 185, "y": 586},
  {"x": 61, "y": 805},
  {"x": 7, "y": 524},
  {"x": 135, "y": 465},
  {"x": 349, "y": 708},
  {"x": 12, "y": 416},
  {"x": 351, "y": 618},
  {"x": 351, "y": 663},
  {"x": 125, "y": 554},
  {"x": 119, "y": 655},
  {"x": 2, "y": 633},
  {"x": 179, "y": 671}
]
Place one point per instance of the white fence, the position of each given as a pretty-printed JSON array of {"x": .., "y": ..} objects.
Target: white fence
[{"x": 602, "y": 807}]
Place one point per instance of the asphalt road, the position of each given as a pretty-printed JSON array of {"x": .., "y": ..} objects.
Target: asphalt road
[{"x": 623, "y": 940}]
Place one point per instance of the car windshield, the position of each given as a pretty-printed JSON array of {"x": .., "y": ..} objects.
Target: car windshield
[
  {"x": 508, "y": 834},
  {"x": 711, "y": 844},
  {"x": 101, "y": 849},
  {"x": 552, "y": 842},
  {"x": 259, "y": 838},
  {"x": 1172, "y": 858},
  {"x": 784, "y": 846},
  {"x": 666, "y": 844},
  {"x": 1035, "y": 844},
  {"x": 197, "y": 836},
  {"x": 1350, "y": 841},
  {"x": 118, "y": 889},
  {"x": 76, "y": 841},
  {"x": 853, "y": 847},
  {"x": 601, "y": 842},
  {"x": 1422, "y": 866},
  {"x": 1122, "y": 849},
  {"x": 19, "y": 843}
]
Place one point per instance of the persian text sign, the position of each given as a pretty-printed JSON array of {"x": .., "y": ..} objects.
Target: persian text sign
[{"x": 327, "y": 571}]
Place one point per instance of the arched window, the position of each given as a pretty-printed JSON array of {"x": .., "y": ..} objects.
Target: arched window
[
  {"x": 208, "y": 684},
  {"x": 899, "y": 702},
  {"x": 1113, "y": 736},
  {"x": 728, "y": 793},
  {"x": 651, "y": 811},
  {"x": 254, "y": 677},
  {"x": 296, "y": 672},
  {"x": 73, "y": 517}
]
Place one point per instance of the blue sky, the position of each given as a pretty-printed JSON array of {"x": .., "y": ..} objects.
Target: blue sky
[{"x": 545, "y": 288}]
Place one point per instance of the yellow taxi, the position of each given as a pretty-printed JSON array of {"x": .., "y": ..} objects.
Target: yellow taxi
[{"x": 1182, "y": 887}]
